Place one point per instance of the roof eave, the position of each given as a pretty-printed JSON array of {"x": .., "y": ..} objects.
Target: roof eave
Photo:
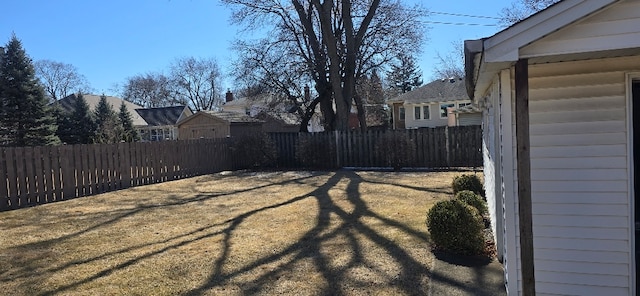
[{"x": 484, "y": 58}]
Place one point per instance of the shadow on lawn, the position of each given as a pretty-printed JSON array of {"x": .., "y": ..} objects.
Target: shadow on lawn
[
  {"x": 410, "y": 279},
  {"x": 309, "y": 246},
  {"x": 27, "y": 269}
]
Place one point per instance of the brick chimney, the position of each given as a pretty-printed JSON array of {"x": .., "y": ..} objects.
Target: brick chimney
[{"x": 229, "y": 96}]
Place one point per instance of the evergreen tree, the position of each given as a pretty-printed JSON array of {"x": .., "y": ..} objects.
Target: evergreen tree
[
  {"x": 129, "y": 133},
  {"x": 372, "y": 93},
  {"x": 78, "y": 126},
  {"x": 376, "y": 92},
  {"x": 404, "y": 75},
  {"x": 107, "y": 125},
  {"x": 25, "y": 117}
]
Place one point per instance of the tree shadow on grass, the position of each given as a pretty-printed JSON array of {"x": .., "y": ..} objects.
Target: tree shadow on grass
[
  {"x": 27, "y": 269},
  {"x": 410, "y": 277}
]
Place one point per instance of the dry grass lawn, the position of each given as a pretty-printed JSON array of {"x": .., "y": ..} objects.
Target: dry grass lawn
[{"x": 243, "y": 233}]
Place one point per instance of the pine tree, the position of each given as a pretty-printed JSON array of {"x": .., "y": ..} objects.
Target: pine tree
[
  {"x": 78, "y": 126},
  {"x": 372, "y": 93},
  {"x": 25, "y": 117},
  {"x": 107, "y": 125},
  {"x": 129, "y": 133},
  {"x": 376, "y": 92},
  {"x": 404, "y": 75}
]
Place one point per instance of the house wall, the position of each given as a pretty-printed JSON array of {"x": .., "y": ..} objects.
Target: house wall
[
  {"x": 203, "y": 126},
  {"x": 500, "y": 175},
  {"x": 490, "y": 162},
  {"x": 580, "y": 177},
  {"x": 616, "y": 27},
  {"x": 434, "y": 115}
]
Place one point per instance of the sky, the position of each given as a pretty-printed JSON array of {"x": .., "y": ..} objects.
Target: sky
[{"x": 109, "y": 41}]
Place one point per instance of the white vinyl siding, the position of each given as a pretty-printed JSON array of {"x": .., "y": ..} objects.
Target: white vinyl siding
[
  {"x": 616, "y": 27},
  {"x": 580, "y": 177}
]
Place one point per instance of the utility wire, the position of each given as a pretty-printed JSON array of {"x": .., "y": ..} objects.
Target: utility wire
[
  {"x": 425, "y": 11},
  {"x": 458, "y": 24},
  {"x": 465, "y": 15}
]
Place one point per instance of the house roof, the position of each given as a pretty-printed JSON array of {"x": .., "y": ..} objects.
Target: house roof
[
  {"x": 163, "y": 115},
  {"x": 67, "y": 104},
  {"x": 484, "y": 58},
  {"x": 440, "y": 90},
  {"x": 232, "y": 117},
  {"x": 283, "y": 117}
]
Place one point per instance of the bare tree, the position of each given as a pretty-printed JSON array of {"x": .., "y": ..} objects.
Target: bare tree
[
  {"x": 521, "y": 9},
  {"x": 333, "y": 43},
  {"x": 150, "y": 90},
  {"x": 197, "y": 81},
  {"x": 59, "y": 79},
  {"x": 452, "y": 63},
  {"x": 282, "y": 76}
]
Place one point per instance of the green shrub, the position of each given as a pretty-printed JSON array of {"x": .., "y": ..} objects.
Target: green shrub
[
  {"x": 471, "y": 198},
  {"x": 467, "y": 182},
  {"x": 456, "y": 227}
]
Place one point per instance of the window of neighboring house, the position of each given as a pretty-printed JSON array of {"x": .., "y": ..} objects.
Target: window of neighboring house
[
  {"x": 443, "y": 109},
  {"x": 159, "y": 134},
  {"x": 426, "y": 114},
  {"x": 417, "y": 112},
  {"x": 460, "y": 105},
  {"x": 401, "y": 111}
]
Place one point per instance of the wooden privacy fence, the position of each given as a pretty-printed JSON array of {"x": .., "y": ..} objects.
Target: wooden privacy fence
[
  {"x": 440, "y": 147},
  {"x": 38, "y": 175}
]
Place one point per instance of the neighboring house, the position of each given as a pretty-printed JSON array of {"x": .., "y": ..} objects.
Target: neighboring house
[
  {"x": 278, "y": 117},
  {"x": 217, "y": 124},
  {"x": 278, "y": 122},
  {"x": 465, "y": 115},
  {"x": 427, "y": 106},
  {"x": 161, "y": 123},
  {"x": 564, "y": 87},
  {"x": 67, "y": 104}
]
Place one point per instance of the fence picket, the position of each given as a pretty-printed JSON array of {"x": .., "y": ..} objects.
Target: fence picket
[
  {"x": 29, "y": 174},
  {"x": 12, "y": 177},
  {"x": 22, "y": 177},
  {"x": 39, "y": 175},
  {"x": 68, "y": 178}
]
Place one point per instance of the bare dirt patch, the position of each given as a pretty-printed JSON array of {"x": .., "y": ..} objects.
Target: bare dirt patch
[{"x": 240, "y": 233}]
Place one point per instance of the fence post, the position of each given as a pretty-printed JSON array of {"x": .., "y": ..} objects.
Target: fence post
[
  {"x": 447, "y": 145},
  {"x": 337, "y": 136}
]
